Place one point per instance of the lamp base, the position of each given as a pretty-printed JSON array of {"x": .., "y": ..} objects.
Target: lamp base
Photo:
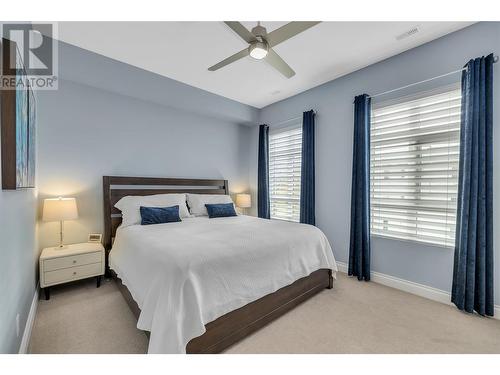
[{"x": 63, "y": 247}]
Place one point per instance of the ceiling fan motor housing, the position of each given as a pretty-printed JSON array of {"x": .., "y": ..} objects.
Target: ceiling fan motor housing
[{"x": 259, "y": 31}]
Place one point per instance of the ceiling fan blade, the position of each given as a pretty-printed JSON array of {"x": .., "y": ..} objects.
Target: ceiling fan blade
[
  {"x": 288, "y": 31},
  {"x": 241, "y": 30},
  {"x": 279, "y": 64},
  {"x": 229, "y": 60}
]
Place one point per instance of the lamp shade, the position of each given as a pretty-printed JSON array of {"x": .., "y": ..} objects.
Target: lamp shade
[
  {"x": 58, "y": 209},
  {"x": 243, "y": 200}
]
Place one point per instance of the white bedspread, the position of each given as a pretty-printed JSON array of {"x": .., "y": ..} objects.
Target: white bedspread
[{"x": 184, "y": 275}]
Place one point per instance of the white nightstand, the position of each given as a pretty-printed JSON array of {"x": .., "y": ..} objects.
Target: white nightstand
[{"x": 73, "y": 262}]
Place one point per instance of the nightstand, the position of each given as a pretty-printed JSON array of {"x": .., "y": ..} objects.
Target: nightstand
[{"x": 73, "y": 262}]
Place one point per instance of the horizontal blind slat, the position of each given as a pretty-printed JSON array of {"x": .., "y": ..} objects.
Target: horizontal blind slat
[
  {"x": 422, "y": 103},
  {"x": 443, "y": 135},
  {"x": 414, "y": 151},
  {"x": 418, "y": 126}
]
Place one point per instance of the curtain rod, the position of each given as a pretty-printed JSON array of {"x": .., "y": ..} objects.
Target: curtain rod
[
  {"x": 495, "y": 59},
  {"x": 289, "y": 120}
]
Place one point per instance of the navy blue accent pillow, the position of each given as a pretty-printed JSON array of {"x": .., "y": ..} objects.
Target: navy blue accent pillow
[
  {"x": 159, "y": 215},
  {"x": 220, "y": 210}
]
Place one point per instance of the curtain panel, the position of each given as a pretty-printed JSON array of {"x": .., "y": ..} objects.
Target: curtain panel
[
  {"x": 472, "y": 288},
  {"x": 263, "y": 201},
  {"x": 307, "y": 179},
  {"x": 359, "y": 246}
]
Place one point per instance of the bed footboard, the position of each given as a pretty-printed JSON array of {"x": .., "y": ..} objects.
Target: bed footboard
[{"x": 235, "y": 325}]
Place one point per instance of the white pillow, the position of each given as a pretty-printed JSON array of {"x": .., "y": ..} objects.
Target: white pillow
[
  {"x": 196, "y": 202},
  {"x": 130, "y": 206}
]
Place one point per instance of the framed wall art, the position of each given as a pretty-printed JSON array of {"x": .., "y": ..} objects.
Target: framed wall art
[{"x": 18, "y": 121}]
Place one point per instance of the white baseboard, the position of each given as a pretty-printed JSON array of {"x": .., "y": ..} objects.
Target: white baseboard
[
  {"x": 421, "y": 290},
  {"x": 23, "y": 348}
]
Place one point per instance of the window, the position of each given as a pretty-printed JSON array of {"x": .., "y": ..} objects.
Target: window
[
  {"x": 285, "y": 154},
  {"x": 414, "y": 168}
]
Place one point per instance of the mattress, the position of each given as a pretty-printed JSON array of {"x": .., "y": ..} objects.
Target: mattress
[{"x": 186, "y": 274}]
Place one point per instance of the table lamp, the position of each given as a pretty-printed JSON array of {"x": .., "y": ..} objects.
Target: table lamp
[
  {"x": 243, "y": 200},
  {"x": 60, "y": 209}
]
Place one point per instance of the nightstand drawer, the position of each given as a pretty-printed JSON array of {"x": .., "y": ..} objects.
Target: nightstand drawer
[
  {"x": 72, "y": 261},
  {"x": 73, "y": 273}
]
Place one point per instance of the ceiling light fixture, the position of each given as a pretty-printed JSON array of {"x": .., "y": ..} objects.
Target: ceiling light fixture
[
  {"x": 258, "y": 50},
  {"x": 261, "y": 44}
]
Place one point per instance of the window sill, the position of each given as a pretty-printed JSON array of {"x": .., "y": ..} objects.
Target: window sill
[
  {"x": 414, "y": 242},
  {"x": 287, "y": 221}
]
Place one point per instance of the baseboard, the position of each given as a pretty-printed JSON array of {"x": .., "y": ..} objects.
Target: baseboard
[
  {"x": 23, "y": 348},
  {"x": 421, "y": 290}
]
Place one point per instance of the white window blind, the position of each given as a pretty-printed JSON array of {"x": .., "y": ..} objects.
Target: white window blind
[
  {"x": 285, "y": 155},
  {"x": 414, "y": 168}
]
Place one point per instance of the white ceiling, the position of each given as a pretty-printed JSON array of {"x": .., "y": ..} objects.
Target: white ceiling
[{"x": 184, "y": 50}]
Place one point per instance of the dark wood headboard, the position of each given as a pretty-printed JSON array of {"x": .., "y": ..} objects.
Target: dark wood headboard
[{"x": 117, "y": 187}]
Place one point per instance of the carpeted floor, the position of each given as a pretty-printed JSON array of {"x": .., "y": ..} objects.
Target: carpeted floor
[{"x": 354, "y": 317}]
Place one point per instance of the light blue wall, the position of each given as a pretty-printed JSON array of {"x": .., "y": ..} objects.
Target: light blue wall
[
  {"x": 91, "y": 69},
  {"x": 423, "y": 264},
  {"x": 110, "y": 118},
  {"x": 18, "y": 262}
]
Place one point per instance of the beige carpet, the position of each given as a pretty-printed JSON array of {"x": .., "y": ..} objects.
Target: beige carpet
[
  {"x": 80, "y": 318},
  {"x": 354, "y": 317}
]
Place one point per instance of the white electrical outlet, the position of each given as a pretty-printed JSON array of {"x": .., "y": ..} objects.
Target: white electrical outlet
[{"x": 17, "y": 325}]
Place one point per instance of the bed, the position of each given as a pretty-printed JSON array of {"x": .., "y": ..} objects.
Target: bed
[{"x": 200, "y": 285}]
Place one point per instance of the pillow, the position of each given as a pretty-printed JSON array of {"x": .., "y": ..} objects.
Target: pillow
[
  {"x": 220, "y": 210},
  {"x": 130, "y": 206},
  {"x": 159, "y": 215},
  {"x": 197, "y": 202}
]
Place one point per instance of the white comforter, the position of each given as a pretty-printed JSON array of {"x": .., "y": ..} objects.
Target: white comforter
[{"x": 184, "y": 275}]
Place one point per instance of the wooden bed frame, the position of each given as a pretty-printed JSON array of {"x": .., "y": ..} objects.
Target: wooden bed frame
[{"x": 235, "y": 325}]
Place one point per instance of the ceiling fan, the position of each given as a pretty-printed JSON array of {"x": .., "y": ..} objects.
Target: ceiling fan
[{"x": 261, "y": 43}]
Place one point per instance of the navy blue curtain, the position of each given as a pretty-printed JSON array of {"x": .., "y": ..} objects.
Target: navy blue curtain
[
  {"x": 359, "y": 247},
  {"x": 473, "y": 265},
  {"x": 263, "y": 202},
  {"x": 307, "y": 179}
]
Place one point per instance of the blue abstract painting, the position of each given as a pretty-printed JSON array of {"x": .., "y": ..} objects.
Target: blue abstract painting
[
  {"x": 25, "y": 129},
  {"x": 31, "y": 138}
]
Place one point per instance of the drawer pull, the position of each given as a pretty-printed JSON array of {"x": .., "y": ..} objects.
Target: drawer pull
[
  {"x": 74, "y": 261},
  {"x": 74, "y": 273}
]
